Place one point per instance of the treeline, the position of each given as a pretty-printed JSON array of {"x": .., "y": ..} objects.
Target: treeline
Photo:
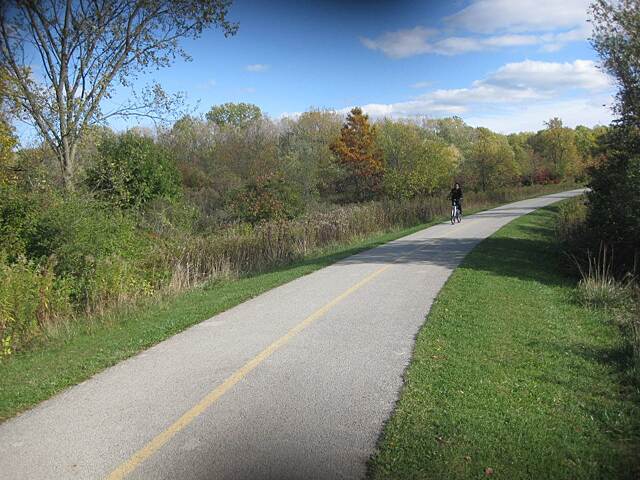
[
  {"x": 236, "y": 192},
  {"x": 237, "y": 164}
]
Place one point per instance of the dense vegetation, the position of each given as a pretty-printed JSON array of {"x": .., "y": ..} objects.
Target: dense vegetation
[
  {"x": 613, "y": 214},
  {"x": 236, "y": 192}
]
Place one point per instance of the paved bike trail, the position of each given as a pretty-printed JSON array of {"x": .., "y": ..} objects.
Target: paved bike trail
[{"x": 295, "y": 383}]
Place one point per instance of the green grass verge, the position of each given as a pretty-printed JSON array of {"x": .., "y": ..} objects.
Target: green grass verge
[
  {"x": 59, "y": 362},
  {"x": 510, "y": 373}
]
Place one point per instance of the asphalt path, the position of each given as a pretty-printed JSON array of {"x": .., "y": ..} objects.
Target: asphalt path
[{"x": 295, "y": 383}]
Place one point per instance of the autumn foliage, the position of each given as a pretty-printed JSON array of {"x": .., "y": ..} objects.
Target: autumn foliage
[{"x": 356, "y": 151}]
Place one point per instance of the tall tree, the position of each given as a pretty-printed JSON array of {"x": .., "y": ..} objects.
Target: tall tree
[
  {"x": 614, "y": 199},
  {"x": 491, "y": 162},
  {"x": 525, "y": 157},
  {"x": 417, "y": 162},
  {"x": 83, "y": 47},
  {"x": 616, "y": 37},
  {"x": 7, "y": 143},
  {"x": 357, "y": 153},
  {"x": 304, "y": 146},
  {"x": 559, "y": 147},
  {"x": 234, "y": 114}
]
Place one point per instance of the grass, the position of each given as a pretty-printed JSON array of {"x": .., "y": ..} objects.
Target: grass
[{"x": 511, "y": 378}]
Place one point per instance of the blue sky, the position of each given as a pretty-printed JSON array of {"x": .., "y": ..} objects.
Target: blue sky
[{"x": 505, "y": 64}]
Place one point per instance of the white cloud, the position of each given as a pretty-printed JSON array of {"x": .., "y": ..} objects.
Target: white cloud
[
  {"x": 553, "y": 42},
  {"x": 257, "y": 67},
  {"x": 421, "y": 84},
  {"x": 510, "y": 40},
  {"x": 493, "y": 24},
  {"x": 398, "y": 45},
  {"x": 525, "y": 92},
  {"x": 489, "y": 16},
  {"x": 531, "y": 117},
  {"x": 551, "y": 76},
  {"x": 483, "y": 92},
  {"x": 459, "y": 45},
  {"x": 402, "y": 43},
  {"x": 456, "y": 46}
]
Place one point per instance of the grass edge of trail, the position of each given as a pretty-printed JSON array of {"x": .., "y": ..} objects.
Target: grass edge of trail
[{"x": 510, "y": 374}]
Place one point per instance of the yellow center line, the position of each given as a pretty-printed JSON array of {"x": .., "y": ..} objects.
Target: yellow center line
[{"x": 162, "y": 438}]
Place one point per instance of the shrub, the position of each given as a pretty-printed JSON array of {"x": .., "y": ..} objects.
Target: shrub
[
  {"x": 31, "y": 298},
  {"x": 267, "y": 198},
  {"x": 544, "y": 177},
  {"x": 614, "y": 200},
  {"x": 18, "y": 216},
  {"x": 132, "y": 170},
  {"x": 570, "y": 223},
  {"x": 91, "y": 241}
]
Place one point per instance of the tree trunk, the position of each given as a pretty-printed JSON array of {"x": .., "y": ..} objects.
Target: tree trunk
[{"x": 66, "y": 158}]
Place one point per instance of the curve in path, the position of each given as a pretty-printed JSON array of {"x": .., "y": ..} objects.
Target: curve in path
[{"x": 295, "y": 383}]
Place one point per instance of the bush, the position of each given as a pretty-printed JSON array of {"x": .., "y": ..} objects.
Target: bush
[
  {"x": 132, "y": 170},
  {"x": 98, "y": 249},
  {"x": 570, "y": 223},
  {"x": 18, "y": 216},
  {"x": 545, "y": 177},
  {"x": 614, "y": 200},
  {"x": 267, "y": 198},
  {"x": 31, "y": 298}
]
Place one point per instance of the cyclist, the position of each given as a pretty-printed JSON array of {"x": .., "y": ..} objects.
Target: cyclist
[{"x": 456, "y": 196}]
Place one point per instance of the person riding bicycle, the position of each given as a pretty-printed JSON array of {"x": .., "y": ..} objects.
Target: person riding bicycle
[{"x": 456, "y": 196}]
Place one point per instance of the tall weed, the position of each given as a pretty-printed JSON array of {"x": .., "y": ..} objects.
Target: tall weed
[{"x": 32, "y": 299}]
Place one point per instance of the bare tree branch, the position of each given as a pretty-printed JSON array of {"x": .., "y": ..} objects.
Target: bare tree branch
[{"x": 83, "y": 46}]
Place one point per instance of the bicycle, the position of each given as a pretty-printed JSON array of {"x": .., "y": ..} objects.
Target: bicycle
[{"x": 456, "y": 215}]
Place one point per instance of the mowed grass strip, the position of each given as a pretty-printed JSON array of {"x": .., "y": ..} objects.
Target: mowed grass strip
[{"x": 511, "y": 378}]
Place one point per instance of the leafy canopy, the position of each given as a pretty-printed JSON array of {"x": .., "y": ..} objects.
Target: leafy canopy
[
  {"x": 234, "y": 114},
  {"x": 133, "y": 170}
]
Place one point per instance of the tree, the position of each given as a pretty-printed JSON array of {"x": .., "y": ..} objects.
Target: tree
[
  {"x": 235, "y": 114},
  {"x": 7, "y": 142},
  {"x": 83, "y": 46},
  {"x": 491, "y": 162},
  {"x": 248, "y": 152},
  {"x": 525, "y": 157},
  {"x": 614, "y": 200},
  {"x": 133, "y": 170},
  {"x": 400, "y": 143},
  {"x": 454, "y": 131},
  {"x": 306, "y": 154},
  {"x": 417, "y": 162},
  {"x": 357, "y": 153},
  {"x": 269, "y": 197},
  {"x": 559, "y": 147},
  {"x": 616, "y": 38}
]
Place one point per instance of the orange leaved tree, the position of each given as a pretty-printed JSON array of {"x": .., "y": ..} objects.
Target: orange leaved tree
[{"x": 356, "y": 151}]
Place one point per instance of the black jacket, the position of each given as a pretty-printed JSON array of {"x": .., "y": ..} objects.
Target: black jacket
[{"x": 456, "y": 194}]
